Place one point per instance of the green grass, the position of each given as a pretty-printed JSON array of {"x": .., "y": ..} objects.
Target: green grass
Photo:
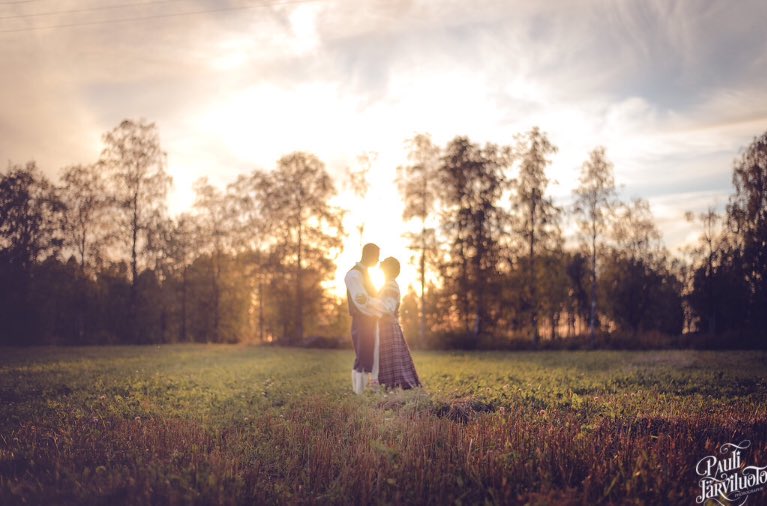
[{"x": 251, "y": 425}]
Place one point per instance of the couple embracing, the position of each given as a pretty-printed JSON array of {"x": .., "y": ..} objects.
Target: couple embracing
[{"x": 379, "y": 344}]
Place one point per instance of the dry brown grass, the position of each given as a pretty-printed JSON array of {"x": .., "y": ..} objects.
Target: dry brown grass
[
  {"x": 328, "y": 454},
  {"x": 616, "y": 443}
]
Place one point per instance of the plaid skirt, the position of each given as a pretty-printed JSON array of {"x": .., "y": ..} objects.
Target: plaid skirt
[{"x": 395, "y": 365}]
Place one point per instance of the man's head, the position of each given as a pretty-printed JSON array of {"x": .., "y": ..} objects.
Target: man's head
[
  {"x": 390, "y": 268},
  {"x": 370, "y": 253}
]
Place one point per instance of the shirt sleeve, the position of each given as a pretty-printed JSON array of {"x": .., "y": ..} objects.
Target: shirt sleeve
[
  {"x": 382, "y": 306},
  {"x": 365, "y": 303}
]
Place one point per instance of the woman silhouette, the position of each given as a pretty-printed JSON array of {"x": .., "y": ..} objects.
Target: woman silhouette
[{"x": 396, "y": 368}]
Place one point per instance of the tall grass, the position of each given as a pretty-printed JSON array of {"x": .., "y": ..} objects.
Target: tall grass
[{"x": 224, "y": 425}]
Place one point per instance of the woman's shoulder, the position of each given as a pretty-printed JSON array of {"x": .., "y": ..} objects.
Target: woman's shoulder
[{"x": 391, "y": 286}]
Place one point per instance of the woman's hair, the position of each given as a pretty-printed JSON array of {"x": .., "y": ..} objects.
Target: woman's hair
[{"x": 390, "y": 267}]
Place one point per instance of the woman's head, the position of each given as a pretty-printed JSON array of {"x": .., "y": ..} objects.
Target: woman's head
[{"x": 390, "y": 268}]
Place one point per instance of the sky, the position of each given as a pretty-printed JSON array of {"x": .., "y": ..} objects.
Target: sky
[{"x": 673, "y": 89}]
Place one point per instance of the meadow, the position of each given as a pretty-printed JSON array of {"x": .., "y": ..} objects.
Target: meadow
[{"x": 235, "y": 424}]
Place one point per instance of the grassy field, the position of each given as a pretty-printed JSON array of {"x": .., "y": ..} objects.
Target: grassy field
[{"x": 261, "y": 425}]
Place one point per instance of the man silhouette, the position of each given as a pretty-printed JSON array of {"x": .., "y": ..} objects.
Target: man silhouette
[{"x": 359, "y": 294}]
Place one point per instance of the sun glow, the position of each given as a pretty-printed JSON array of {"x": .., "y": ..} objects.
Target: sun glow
[
  {"x": 377, "y": 277},
  {"x": 376, "y": 218},
  {"x": 256, "y": 121}
]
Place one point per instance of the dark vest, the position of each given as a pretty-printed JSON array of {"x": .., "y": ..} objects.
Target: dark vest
[{"x": 367, "y": 284}]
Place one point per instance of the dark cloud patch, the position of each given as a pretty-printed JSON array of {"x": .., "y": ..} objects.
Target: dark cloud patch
[{"x": 675, "y": 53}]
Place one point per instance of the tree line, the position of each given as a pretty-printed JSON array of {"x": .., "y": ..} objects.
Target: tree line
[
  {"x": 96, "y": 258},
  {"x": 485, "y": 221}
]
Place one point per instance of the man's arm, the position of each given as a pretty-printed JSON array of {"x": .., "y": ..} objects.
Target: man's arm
[
  {"x": 360, "y": 298},
  {"x": 385, "y": 305}
]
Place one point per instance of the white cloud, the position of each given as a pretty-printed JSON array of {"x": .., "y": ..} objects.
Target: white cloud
[{"x": 673, "y": 90}]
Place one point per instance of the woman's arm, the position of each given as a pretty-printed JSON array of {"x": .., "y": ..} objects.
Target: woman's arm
[
  {"x": 389, "y": 297},
  {"x": 383, "y": 305}
]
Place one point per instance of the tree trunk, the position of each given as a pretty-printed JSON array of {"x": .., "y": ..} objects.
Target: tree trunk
[
  {"x": 133, "y": 309},
  {"x": 593, "y": 308},
  {"x": 422, "y": 322},
  {"x": 216, "y": 297},
  {"x": 82, "y": 253},
  {"x": 184, "y": 288},
  {"x": 479, "y": 313},
  {"x": 260, "y": 307},
  {"x": 465, "y": 288},
  {"x": 299, "y": 291},
  {"x": 710, "y": 290},
  {"x": 82, "y": 308},
  {"x": 554, "y": 322},
  {"x": 531, "y": 274}
]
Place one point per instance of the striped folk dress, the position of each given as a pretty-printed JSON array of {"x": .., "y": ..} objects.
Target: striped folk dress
[{"x": 396, "y": 368}]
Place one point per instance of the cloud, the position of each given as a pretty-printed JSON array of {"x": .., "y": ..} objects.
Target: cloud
[{"x": 672, "y": 89}]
